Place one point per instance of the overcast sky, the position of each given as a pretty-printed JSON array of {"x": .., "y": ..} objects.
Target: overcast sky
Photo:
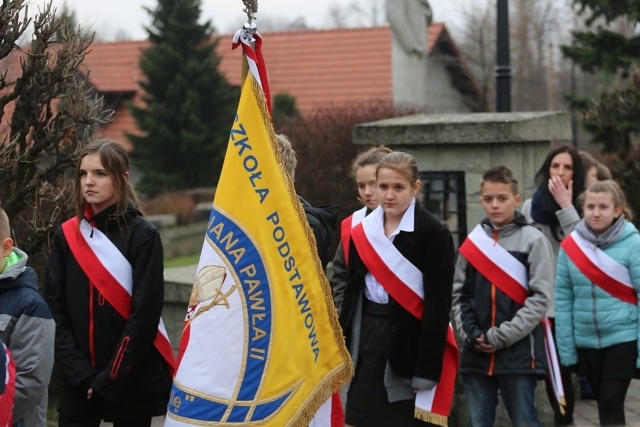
[{"x": 115, "y": 18}]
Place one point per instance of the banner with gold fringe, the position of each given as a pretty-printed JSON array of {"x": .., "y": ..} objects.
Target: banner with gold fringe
[{"x": 261, "y": 343}]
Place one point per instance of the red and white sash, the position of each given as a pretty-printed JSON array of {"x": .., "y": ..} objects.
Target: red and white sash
[
  {"x": 496, "y": 264},
  {"x": 345, "y": 230},
  {"x": 509, "y": 275},
  {"x": 600, "y": 268},
  {"x": 111, "y": 273},
  {"x": 404, "y": 282}
]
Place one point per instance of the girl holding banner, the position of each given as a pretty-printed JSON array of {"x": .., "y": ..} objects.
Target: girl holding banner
[
  {"x": 395, "y": 312},
  {"x": 105, "y": 286},
  {"x": 597, "y": 286}
]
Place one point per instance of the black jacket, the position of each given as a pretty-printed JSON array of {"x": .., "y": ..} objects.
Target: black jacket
[
  {"x": 416, "y": 347},
  {"x": 91, "y": 335}
]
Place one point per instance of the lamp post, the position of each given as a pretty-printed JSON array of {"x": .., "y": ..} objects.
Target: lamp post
[{"x": 503, "y": 68}]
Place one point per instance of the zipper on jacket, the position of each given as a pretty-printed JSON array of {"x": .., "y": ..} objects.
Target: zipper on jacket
[
  {"x": 532, "y": 348},
  {"x": 119, "y": 356},
  {"x": 494, "y": 309},
  {"x": 492, "y": 360},
  {"x": 92, "y": 355},
  {"x": 595, "y": 315}
]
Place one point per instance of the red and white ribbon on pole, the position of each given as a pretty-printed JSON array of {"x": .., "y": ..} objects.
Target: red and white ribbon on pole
[{"x": 251, "y": 42}]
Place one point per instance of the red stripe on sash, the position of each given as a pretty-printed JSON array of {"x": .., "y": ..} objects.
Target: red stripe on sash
[
  {"x": 337, "y": 414},
  {"x": 595, "y": 274},
  {"x": 493, "y": 272},
  {"x": 444, "y": 397},
  {"x": 162, "y": 344},
  {"x": 345, "y": 233},
  {"x": 383, "y": 274}
]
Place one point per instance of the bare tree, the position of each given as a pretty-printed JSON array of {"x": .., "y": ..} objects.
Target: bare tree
[
  {"x": 357, "y": 13},
  {"x": 534, "y": 27},
  {"x": 47, "y": 114},
  {"x": 478, "y": 46}
]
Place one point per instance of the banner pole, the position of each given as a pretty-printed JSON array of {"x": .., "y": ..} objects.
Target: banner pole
[{"x": 250, "y": 28}]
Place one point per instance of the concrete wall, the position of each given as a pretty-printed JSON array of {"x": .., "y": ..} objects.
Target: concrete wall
[{"x": 182, "y": 241}]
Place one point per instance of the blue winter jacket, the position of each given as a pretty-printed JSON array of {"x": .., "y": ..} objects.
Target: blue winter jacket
[{"x": 586, "y": 315}]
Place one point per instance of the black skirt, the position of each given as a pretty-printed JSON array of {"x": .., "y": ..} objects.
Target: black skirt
[
  {"x": 615, "y": 362},
  {"x": 367, "y": 401}
]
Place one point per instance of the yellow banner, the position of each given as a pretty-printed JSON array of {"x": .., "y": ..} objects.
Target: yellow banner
[{"x": 261, "y": 343}]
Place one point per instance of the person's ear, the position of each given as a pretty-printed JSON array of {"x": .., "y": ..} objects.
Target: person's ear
[
  {"x": 518, "y": 199},
  {"x": 416, "y": 188},
  {"x": 126, "y": 175},
  {"x": 617, "y": 212},
  {"x": 7, "y": 247}
]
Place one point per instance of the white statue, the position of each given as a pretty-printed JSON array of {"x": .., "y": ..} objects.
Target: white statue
[{"x": 409, "y": 20}]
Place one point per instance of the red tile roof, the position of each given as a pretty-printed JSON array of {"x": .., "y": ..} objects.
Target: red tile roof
[{"x": 113, "y": 66}]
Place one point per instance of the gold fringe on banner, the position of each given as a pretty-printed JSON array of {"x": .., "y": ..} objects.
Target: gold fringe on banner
[
  {"x": 431, "y": 417},
  {"x": 562, "y": 404}
]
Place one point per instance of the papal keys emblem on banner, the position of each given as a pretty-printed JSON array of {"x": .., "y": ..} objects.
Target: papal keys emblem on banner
[{"x": 230, "y": 306}]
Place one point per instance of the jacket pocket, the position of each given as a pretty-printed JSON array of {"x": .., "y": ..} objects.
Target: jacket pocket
[{"x": 119, "y": 356}]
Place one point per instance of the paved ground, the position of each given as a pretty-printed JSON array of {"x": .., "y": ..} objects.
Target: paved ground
[
  {"x": 586, "y": 411},
  {"x": 585, "y": 414}
]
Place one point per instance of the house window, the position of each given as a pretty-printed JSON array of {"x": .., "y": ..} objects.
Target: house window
[{"x": 444, "y": 196}]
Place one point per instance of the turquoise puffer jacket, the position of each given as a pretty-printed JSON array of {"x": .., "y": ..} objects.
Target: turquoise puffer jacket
[{"x": 586, "y": 315}]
